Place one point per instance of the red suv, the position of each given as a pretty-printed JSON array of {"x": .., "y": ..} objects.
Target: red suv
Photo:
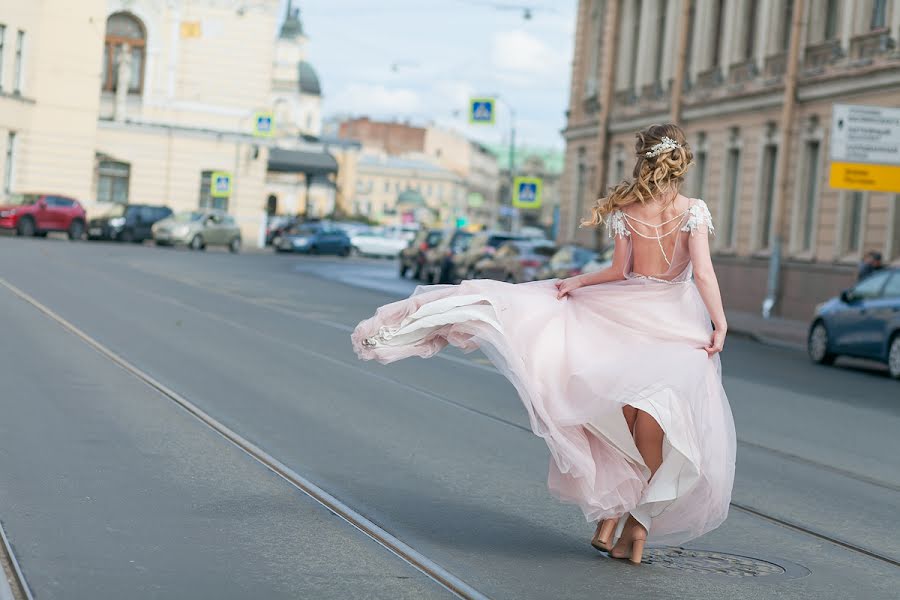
[{"x": 37, "y": 214}]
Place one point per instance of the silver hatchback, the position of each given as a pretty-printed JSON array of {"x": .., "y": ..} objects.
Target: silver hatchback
[{"x": 197, "y": 230}]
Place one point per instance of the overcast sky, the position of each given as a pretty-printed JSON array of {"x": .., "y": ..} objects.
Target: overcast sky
[{"x": 423, "y": 59}]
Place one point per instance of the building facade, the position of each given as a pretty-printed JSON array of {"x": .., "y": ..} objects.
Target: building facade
[
  {"x": 142, "y": 101},
  {"x": 753, "y": 84},
  {"x": 383, "y": 182},
  {"x": 468, "y": 171}
]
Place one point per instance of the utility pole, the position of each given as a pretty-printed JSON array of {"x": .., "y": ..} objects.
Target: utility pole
[{"x": 788, "y": 104}]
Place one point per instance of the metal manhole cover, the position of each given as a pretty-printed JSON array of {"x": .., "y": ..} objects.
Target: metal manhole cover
[{"x": 713, "y": 563}]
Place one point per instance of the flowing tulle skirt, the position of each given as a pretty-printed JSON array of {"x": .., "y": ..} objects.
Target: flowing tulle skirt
[{"x": 575, "y": 364}]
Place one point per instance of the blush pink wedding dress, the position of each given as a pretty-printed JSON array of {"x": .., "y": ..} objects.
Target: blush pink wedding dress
[{"x": 576, "y": 362}]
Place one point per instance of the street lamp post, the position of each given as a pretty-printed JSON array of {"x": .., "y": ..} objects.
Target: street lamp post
[{"x": 514, "y": 214}]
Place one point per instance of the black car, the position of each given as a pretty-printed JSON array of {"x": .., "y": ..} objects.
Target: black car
[
  {"x": 412, "y": 258},
  {"x": 314, "y": 238},
  {"x": 438, "y": 266},
  {"x": 127, "y": 222}
]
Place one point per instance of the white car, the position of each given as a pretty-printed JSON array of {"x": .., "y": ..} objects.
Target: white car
[{"x": 373, "y": 243}]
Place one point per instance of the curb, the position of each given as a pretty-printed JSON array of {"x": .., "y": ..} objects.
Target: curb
[
  {"x": 768, "y": 340},
  {"x": 10, "y": 573}
]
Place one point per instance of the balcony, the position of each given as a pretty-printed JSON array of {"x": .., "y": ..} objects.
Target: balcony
[
  {"x": 652, "y": 91},
  {"x": 776, "y": 66},
  {"x": 869, "y": 45},
  {"x": 709, "y": 79},
  {"x": 625, "y": 97},
  {"x": 742, "y": 72},
  {"x": 819, "y": 56}
]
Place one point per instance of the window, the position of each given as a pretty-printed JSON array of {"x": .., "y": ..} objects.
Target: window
[
  {"x": 808, "y": 191},
  {"x": 750, "y": 12},
  {"x": 206, "y": 199},
  {"x": 387, "y": 186},
  {"x": 730, "y": 201},
  {"x": 879, "y": 14},
  {"x": 788, "y": 16},
  {"x": 769, "y": 161},
  {"x": 590, "y": 81},
  {"x": 700, "y": 175},
  {"x": 892, "y": 289},
  {"x": 635, "y": 44},
  {"x": 112, "y": 181},
  {"x": 871, "y": 286},
  {"x": 831, "y": 19},
  {"x": 2, "y": 41},
  {"x": 854, "y": 206},
  {"x": 9, "y": 163},
  {"x": 124, "y": 31},
  {"x": 719, "y": 21},
  {"x": 20, "y": 52},
  {"x": 662, "y": 14}
]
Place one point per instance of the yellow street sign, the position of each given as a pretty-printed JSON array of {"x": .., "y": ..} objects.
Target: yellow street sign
[
  {"x": 190, "y": 29},
  {"x": 865, "y": 177}
]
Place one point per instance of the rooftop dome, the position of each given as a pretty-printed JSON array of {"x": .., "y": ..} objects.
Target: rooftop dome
[{"x": 309, "y": 81}]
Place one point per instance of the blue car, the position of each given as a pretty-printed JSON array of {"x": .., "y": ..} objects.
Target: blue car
[
  {"x": 318, "y": 238},
  {"x": 863, "y": 321}
]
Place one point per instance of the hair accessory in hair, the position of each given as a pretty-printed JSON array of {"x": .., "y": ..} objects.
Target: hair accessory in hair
[{"x": 666, "y": 145}]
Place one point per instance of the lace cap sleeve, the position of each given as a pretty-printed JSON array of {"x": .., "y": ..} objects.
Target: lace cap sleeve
[
  {"x": 699, "y": 219},
  {"x": 616, "y": 225}
]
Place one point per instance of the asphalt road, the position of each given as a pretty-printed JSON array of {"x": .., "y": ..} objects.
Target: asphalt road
[{"x": 109, "y": 489}]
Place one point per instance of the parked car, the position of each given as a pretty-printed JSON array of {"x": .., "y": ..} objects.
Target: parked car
[
  {"x": 197, "y": 230},
  {"x": 602, "y": 260},
  {"x": 863, "y": 321},
  {"x": 516, "y": 261},
  {"x": 314, "y": 238},
  {"x": 482, "y": 245},
  {"x": 438, "y": 266},
  {"x": 412, "y": 258},
  {"x": 38, "y": 214},
  {"x": 568, "y": 261},
  {"x": 127, "y": 222},
  {"x": 377, "y": 243},
  {"x": 276, "y": 225}
]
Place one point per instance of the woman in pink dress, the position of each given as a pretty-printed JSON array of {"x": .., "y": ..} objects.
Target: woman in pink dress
[{"x": 619, "y": 370}]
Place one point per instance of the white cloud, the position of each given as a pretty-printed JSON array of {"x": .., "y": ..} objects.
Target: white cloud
[
  {"x": 524, "y": 54},
  {"x": 374, "y": 99}
]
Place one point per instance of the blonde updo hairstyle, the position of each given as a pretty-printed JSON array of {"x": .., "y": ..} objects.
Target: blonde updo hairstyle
[{"x": 653, "y": 176}]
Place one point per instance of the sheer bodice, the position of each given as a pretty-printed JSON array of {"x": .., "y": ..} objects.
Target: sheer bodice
[{"x": 668, "y": 239}]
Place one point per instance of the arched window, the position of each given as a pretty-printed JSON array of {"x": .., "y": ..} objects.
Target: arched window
[{"x": 124, "y": 30}]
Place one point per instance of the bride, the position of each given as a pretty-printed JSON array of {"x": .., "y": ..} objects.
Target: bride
[{"x": 619, "y": 370}]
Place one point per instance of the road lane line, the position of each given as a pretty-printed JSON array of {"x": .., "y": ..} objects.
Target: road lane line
[{"x": 417, "y": 560}]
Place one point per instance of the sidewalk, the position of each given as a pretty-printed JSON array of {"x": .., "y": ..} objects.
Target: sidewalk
[{"x": 776, "y": 330}]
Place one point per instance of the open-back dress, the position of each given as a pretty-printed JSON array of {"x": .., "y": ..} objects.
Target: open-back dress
[{"x": 578, "y": 361}]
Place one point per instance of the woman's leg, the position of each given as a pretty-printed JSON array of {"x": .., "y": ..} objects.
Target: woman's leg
[
  {"x": 630, "y": 413},
  {"x": 648, "y": 437}
]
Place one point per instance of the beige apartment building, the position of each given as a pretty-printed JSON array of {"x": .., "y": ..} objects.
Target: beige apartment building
[
  {"x": 141, "y": 101},
  {"x": 459, "y": 179},
  {"x": 753, "y": 84}
]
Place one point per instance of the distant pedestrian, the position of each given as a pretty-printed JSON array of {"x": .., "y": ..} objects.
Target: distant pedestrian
[
  {"x": 618, "y": 369},
  {"x": 870, "y": 263}
]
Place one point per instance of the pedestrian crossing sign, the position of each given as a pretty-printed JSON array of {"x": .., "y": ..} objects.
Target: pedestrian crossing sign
[
  {"x": 481, "y": 111},
  {"x": 527, "y": 192},
  {"x": 263, "y": 124},
  {"x": 220, "y": 184}
]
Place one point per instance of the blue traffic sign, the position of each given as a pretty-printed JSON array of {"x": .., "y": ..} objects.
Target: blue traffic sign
[
  {"x": 527, "y": 192},
  {"x": 481, "y": 111}
]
